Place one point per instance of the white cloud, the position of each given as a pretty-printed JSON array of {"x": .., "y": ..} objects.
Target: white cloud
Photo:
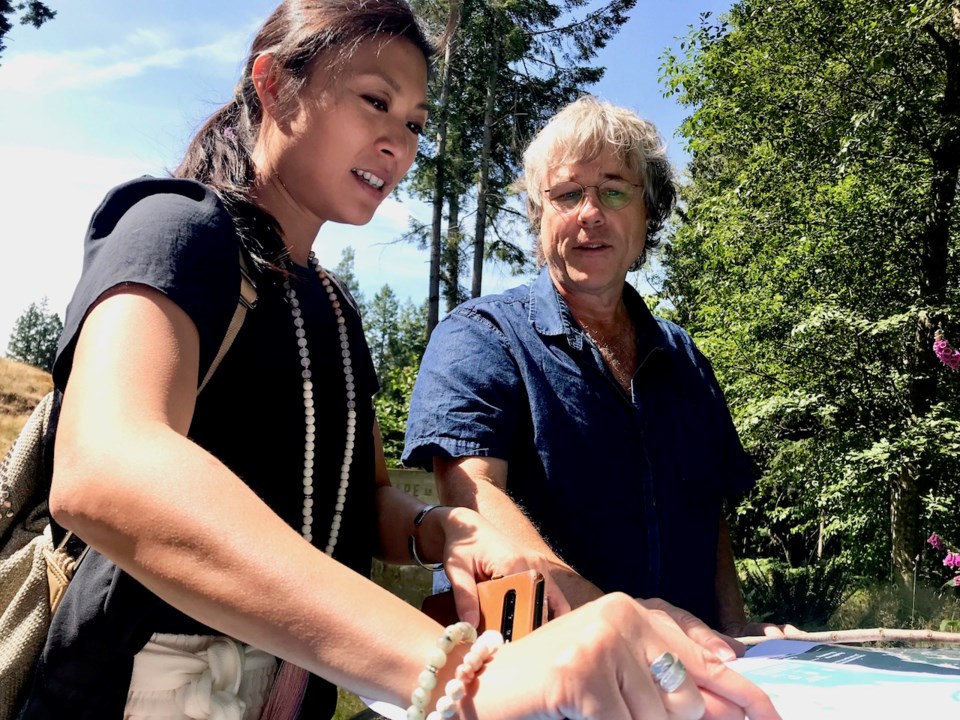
[
  {"x": 142, "y": 50},
  {"x": 394, "y": 213}
]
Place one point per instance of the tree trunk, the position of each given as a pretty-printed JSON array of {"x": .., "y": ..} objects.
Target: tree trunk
[
  {"x": 451, "y": 254},
  {"x": 479, "y": 234},
  {"x": 439, "y": 188},
  {"x": 820, "y": 539},
  {"x": 934, "y": 243},
  {"x": 905, "y": 512}
]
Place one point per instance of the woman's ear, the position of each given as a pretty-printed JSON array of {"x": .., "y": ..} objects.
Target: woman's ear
[{"x": 266, "y": 83}]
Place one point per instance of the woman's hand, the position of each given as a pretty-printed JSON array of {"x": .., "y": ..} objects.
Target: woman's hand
[
  {"x": 475, "y": 550},
  {"x": 594, "y": 662}
]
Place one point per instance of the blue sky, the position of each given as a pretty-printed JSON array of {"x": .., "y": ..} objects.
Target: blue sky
[{"x": 113, "y": 89}]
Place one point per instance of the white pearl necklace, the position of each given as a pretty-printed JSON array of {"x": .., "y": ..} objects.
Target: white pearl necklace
[{"x": 308, "y": 409}]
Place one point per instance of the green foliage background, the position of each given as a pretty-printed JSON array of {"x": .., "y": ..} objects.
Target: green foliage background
[
  {"x": 814, "y": 258},
  {"x": 396, "y": 334}
]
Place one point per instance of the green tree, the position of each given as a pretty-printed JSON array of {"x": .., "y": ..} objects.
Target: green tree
[
  {"x": 381, "y": 328},
  {"x": 393, "y": 407},
  {"x": 347, "y": 275},
  {"x": 31, "y": 13},
  {"x": 396, "y": 334},
  {"x": 35, "y": 336},
  {"x": 815, "y": 257}
]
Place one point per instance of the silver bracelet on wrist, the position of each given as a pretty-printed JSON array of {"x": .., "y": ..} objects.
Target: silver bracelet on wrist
[{"x": 412, "y": 541}]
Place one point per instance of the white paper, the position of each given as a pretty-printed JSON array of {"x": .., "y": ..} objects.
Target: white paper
[
  {"x": 388, "y": 710},
  {"x": 835, "y": 682}
]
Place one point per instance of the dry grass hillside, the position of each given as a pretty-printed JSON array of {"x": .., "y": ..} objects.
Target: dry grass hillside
[{"x": 21, "y": 387}]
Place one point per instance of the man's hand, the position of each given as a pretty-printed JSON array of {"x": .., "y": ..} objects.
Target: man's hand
[
  {"x": 476, "y": 550},
  {"x": 723, "y": 646}
]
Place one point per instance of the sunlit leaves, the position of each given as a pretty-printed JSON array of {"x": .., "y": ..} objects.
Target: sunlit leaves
[{"x": 816, "y": 256}]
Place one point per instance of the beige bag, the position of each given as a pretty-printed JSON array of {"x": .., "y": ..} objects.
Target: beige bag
[
  {"x": 33, "y": 573},
  {"x": 28, "y": 597}
]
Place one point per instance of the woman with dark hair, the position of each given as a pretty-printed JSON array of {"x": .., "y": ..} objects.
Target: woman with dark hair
[{"x": 233, "y": 527}]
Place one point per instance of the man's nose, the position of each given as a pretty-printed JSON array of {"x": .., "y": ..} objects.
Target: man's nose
[{"x": 590, "y": 211}]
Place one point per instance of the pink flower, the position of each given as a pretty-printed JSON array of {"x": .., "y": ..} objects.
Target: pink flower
[
  {"x": 956, "y": 581},
  {"x": 948, "y": 356},
  {"x": 936, "y": 542},
  {"x": 952, "y": 560}
]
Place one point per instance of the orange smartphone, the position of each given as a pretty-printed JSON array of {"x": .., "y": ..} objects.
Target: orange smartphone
[{"x": 514, "y": 604}]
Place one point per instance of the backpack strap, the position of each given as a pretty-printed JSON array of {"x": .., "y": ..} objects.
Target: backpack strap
[{"x": 247, "y": 301}]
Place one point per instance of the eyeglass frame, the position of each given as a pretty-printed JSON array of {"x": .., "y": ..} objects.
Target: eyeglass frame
[{"x": 583, "y": 190}]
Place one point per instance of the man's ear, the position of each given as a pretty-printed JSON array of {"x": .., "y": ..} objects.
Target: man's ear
[{"x": 266, "y": 83}]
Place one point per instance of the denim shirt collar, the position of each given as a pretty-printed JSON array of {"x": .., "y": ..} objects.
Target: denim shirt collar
[{"x": 551, "y": 316}]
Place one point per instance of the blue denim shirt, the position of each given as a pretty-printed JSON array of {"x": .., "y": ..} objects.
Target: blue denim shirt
[{"x": 626, "y": 487}]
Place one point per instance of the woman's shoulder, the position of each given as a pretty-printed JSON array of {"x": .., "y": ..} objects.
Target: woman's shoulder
[
  {"x": 173, "y": 236},
  {"x": 152, "y": 223},
  {"x": 161, "y": 203}
]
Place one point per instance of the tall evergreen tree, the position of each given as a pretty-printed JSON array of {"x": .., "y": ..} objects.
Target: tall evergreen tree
[
  {"x": 345, "y": 272},
  {"x": 396, "y": 335},
  {"x": 35, "y": 336}
]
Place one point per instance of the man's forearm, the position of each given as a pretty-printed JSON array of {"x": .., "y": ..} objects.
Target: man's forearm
[
  {"x": 477, "y": 483},
  {"x": 731, "y": 614}
]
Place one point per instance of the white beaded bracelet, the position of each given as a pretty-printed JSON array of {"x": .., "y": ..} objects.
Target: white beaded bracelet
[{"x": 479, "y": 654}]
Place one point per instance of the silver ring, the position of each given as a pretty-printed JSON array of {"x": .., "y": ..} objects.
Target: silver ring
[{"x": 668, "y": 671}]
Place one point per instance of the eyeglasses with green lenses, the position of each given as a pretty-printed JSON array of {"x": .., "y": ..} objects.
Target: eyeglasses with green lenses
[{"x": 613, "y": 194}]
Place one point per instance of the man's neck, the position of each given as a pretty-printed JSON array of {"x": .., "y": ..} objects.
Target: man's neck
[
  {"x": 613, "y": 332},
  {"x": 606, "y": 316}
]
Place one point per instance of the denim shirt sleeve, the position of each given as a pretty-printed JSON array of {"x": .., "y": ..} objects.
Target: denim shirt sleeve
[
  {"x": 465, "y": 398},
  {"x": 737, "y": 477}
]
